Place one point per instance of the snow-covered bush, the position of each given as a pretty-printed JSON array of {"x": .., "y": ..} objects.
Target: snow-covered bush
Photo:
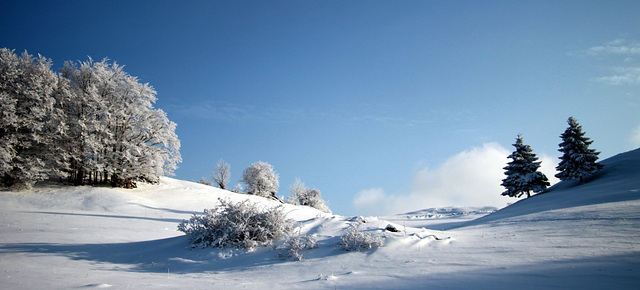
[
  {"x": 295, "y": 243},
  {"x": 243, "y": 225},
  {"x": 260, "y": 179},
  {"x": 304, "y": 196},
  {"x": 205, "y": 181},
  {"x": 355, "y": 239},
  {"x": 238, "y": 188}
]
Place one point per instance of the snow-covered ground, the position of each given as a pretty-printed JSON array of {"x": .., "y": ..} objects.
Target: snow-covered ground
[{"x": 574, "y": 236}]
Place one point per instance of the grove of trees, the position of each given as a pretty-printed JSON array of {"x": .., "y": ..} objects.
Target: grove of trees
[{"x": 90, "y": 123}]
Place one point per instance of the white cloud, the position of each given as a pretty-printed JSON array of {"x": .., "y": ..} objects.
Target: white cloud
[
  {"x": 622, "y": 76},
  {"x": 372, "y": 201},
  {"x": 470, "y": 178},
  {"x": 622, "y": 52},
  {"x": 618, "y": 46},
  {"x": 548, "y": 167},
  {"x": 213, "y": 110},
  {"x": 635, "y": 137}
]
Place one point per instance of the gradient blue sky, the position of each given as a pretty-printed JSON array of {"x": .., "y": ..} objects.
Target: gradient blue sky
[{"x": 385, "y": 106}]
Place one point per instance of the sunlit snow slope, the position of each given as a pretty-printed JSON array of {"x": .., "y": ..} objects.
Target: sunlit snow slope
[{"x": 574, "y": 236}]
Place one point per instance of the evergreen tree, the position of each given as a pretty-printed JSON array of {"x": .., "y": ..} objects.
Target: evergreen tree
[
  {"x": 577, "y": 160},
  {"x": 522, "y": 172}
]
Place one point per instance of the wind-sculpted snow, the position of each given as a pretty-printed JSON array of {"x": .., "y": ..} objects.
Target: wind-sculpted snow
[{"x": 574, "y": 236}]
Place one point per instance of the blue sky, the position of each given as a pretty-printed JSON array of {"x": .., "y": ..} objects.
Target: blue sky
[{"x": 385, "y": 106}]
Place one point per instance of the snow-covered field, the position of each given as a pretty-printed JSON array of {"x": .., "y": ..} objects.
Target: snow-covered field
[{"x": 585, "y": 236}]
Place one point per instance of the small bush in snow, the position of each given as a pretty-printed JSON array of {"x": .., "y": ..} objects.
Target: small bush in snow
[
  {"x": 294, "y": 244},
  {"x": 205, "y": 181},
  {"x": 238, "y": 188},
  {"x": 355, "y": 239},
  {"x": 309, "y": 197},
  {"x": 243, "y": 225}
]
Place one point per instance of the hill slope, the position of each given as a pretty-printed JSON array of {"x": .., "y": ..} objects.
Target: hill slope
[
  {"x": 618, "y": 181},
  {"x": 572, "y": 236}
]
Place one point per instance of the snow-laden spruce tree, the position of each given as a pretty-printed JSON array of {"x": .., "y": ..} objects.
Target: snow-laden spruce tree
[
  {"x": 222, "y": 174},
  {"x": 522, "y": 172},
  {"x": 29, "y": 126},
  {"x": 578, "y": 160},
  {"x": 260, "y": 179},
  {"x": 302, "y": 195}
]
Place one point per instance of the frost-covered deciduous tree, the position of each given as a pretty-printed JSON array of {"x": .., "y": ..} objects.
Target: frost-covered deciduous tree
[
  {"x": 92, "y": 122},
  {"x": 86, "y": 130},
  {"x": 260, "y": 179},
  {"x": 578, "y": 160},
  {"x": 522, "y": 172},
  {"x": 222, "y": 174},
  {"x": 302, "y": 195},
  {"x": 115, "y": 132},
  {"x": 29, "y": 127}
]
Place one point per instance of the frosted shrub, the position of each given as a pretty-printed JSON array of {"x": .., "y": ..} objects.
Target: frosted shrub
[
  {"x": 294, "y": 244},
  {"x": 355, "y": 239},
  {"x": 302, "y": 195},
  {"x": 243, "y": 225}
]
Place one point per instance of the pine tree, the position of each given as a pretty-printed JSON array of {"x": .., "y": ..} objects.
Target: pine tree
[
  {"x": 577, "y": 160},
  {"x": 522, "y": 172}
]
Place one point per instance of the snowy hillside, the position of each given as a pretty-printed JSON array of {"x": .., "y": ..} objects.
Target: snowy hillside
[{"x": 84, "y": 237}]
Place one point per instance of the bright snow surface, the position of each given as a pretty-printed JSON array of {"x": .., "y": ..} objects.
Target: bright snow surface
[{"x": 574, "y": 236}]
